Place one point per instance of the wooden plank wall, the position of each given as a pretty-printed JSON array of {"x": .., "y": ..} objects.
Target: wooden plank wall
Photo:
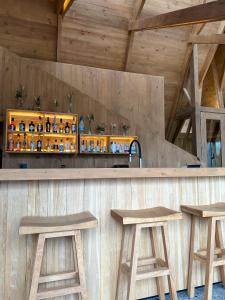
[
  {"x": 15, "y": 71},
  {"x": 102, "y": 244},
  {"x": 137, "y": 97},
  {"x": 29, "y": 28}
]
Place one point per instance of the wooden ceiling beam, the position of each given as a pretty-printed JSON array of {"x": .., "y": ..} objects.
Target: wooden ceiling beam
[
  {"x": 210, "y": 56},
  {"x": 139, "y": 4},
  {"x": 203, "y": 13},
  {"x": 207, "y": 39}
]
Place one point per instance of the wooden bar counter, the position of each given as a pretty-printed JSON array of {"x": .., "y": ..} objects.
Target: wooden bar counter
[{"x": 66, "y": 191}]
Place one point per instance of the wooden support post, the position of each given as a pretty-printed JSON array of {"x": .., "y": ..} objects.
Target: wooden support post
[
  {"x": 159, "y": 280},
  {"x": 219, "y": 244},
  {"x": 196, "y": 103},
  {"x": 134, "y": 263},
  {"x": 171, "y": 280},
  {"x": 190, "y": 284},
  {"x": 210, "y": 258}
]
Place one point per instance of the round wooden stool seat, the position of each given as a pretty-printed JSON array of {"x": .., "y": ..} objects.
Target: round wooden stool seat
[
  {"x": 213, "y": 255},
  {"x": 33, "y": 225},
  {"x": 145, "y": 267},
  {"x": 148, "y": 215},
  {"x": 56, "y": 227}
]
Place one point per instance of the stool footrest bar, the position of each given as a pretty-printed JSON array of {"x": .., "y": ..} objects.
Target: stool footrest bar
[
  {"x": 58, "y": 277},
  {"x": 157, "y": 272},
  {"x": 58, "y": 292}
]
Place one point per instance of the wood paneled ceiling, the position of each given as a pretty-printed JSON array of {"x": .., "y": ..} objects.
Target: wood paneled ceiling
[{"x": 95, "y": 33}]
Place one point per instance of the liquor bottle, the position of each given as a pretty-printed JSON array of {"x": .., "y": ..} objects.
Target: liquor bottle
[
  {"x": 82, "y": 147},
  {"x": 31, "y": 127},
  {"x": 54, "y": 125},
  {"x": 67, "y": 128},
  {"x": 97, "y": 148},
  {"x": 11, "y": 143},
  {"x": 61, "y": 146},
  {"x": 18, "y": 143},
  {"x": 133, "y": 149},
  {"x": 32, "y": 144},
  {"x": 22, "y": 126},
  {"x": 48, "y": 146},
  {"x": 39, "y": 144},
  {"x": 25, "y": 142},
  {"x": 48, "y": 125},
  {"x": 91, "y": 145},
  {"x": 73, "y": 126},
  {"x": 67, "y": 145},
  {"x": 12, "y": 126},
  {"x": 55, "y": 146},
  {"x": 61, "y": 126},
  {"x": 81, "y": 125},
  {"x": 39, "y": 125},
  {"x": 73, "y": 147}
]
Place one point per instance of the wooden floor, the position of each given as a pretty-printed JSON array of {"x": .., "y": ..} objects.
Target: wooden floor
[{"x": 102, "y": 245}]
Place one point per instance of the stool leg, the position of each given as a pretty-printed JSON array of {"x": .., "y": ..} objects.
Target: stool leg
[
  {"x": 172, "y": 288},
  {"x": 219, "y": 244},
  {"x": 210, "y": 259},
  {"x": 190, "y": 284},
  {"x": 123, "y": 258},
  {"x": 78, "y": 251},
  {"x": 37, "y": 267},
  {"x": 133, "y": 264},
  {"x": 159, "y": 280}
]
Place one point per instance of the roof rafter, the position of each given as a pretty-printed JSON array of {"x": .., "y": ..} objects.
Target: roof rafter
[
  {"x": 203, "y": 13},
  {"x": 139, "y": 4},
  {"x": 207, "y": 39}
]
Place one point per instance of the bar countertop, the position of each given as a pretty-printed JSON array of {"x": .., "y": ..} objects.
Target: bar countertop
[{"x": 106, "y": 173}]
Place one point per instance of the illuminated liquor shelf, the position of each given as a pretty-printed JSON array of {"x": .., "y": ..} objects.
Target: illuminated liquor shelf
[
  {"x": 36, "y": 132},
  {"x": 105, "y": 144}
]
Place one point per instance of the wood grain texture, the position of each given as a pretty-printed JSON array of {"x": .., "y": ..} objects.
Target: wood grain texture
[
  {"x": 102, "y": 245},
  {"x": 107, "y": 173},
  {"x": 29, "y": 28}
]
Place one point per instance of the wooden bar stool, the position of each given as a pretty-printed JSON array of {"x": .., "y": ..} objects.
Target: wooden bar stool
[
  {"x": 135, "y": 267},
  {"x": 52, "y": 227},
  {"x": 214, "y": 214}
]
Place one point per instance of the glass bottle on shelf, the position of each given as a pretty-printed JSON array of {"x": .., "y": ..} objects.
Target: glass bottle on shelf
[
  {"x": 55, "y": 145},
  {"x": 97, "y": 149},
  {"x": 48, "y": 146},
  {"x": 40, "y": 125},
  {"x": 73, "y": 126},
  {"x": 25, "y": 141},
  {"x": 67, "y": 128},
  {"x": 48, "y": 125},
  {"x": 12, "y": 126},
  {"x": 91, "y": 146},
  {"x": 54, "y": 125},
  {"x": 61, "y": 126},
  {"x": 11, "y": 143},
  {"x": 73, "y": 147},
  {"x": 18, "y": 143},
  {"x": 22, "y": 126},
  {"x": 67, "y": 145},
  {"x": 61, "y": 146},
  {"x": 81, "y": 125},
  {"x": 82, "y": 147},
  {"x": 39, "y": 144},
  {"x": 32, "y": 144},
  {"x": 133, "y": 149},
  {"x": 31, "y": 126}
]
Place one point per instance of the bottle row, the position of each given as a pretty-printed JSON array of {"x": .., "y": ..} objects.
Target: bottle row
[
  {"x": 50, "y": 126},
  {"x": 38, "y": 144},
  {"x": 100, "y": 146}
]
